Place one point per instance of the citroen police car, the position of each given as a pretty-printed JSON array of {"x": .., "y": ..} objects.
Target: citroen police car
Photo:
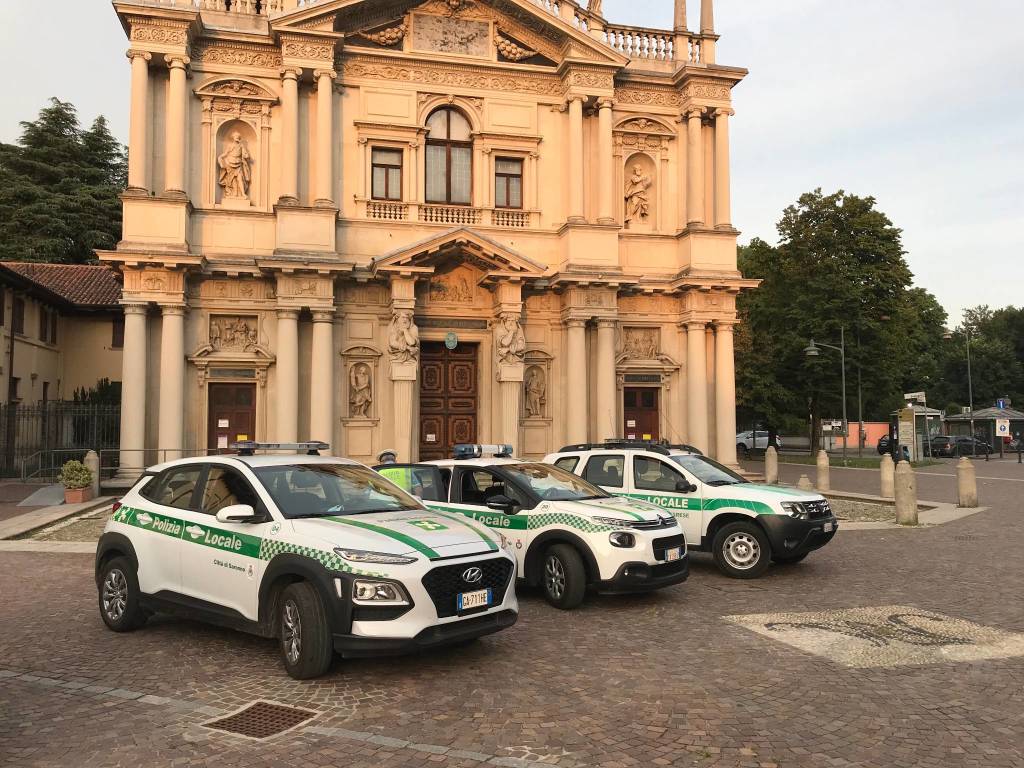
[
  {"x": 744, "y": 526},
  {"x": 567, "y": 534},
  {"x": 321, "y": 553}
]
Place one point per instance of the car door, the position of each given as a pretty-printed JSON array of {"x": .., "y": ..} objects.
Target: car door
[
  {"x": 220, "y": 562},
  {"x": 159, "y": 522},
  {"x": 427, "y": 482},
  {"x": 656, "y": 481}
]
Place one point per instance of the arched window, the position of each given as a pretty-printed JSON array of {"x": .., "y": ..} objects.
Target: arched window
[{"x": 449, "y": 158}]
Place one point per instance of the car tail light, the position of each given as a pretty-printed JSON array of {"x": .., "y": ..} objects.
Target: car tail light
[{"x": 115, "y": 506}]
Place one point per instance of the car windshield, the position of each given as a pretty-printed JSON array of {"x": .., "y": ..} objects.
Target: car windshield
[
  {"x": 322, "y": 490},
  {"x": 552, "y": 483},
  {"x": 707, "y": 471}
]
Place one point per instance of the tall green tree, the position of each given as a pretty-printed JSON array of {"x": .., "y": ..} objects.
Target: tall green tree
[{"x": 60, "y": 187}]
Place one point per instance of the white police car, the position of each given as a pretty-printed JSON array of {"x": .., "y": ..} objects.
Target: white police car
[
  {"x": 745, "y": 526},
  {"x": 566, "y": 533},
  {"x": 321, "y": 553}
]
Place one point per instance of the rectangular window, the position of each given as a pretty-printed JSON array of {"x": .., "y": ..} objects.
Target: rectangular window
[
  {"x": 3, "y": 307},
  {"x": 508, "y": 183},
  {"x": 46, "y": 392},
  {"x": 117, "y": 334},
  {"x": 18, "y": 315},
  {"x": 174, "y": 488},
  {"x": 607, "y": 471},
  {"x": 437, "y": 174},
  {"x": 224, "y": 488},
  {"x": 462, "y": 175},
  {"x": 387, "y": 174},
  {"x": 53, "y": 327},
  {"x": 12, "y": 388},
  {"x": 44, "y": 324}
]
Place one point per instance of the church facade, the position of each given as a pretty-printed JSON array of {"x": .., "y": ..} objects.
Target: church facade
[{"x": 413, "y": 223}]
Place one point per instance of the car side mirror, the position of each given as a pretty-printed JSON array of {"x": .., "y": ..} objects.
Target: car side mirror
[
  {"x": 502, "y": 504},
  {"x": 684, "y": 486},
  {"x": 237, "y": 513}
]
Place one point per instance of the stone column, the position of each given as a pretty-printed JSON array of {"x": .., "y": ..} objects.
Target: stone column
[
  {"x": 607, "y": 413},
  {"x": 725, "y": 393},
  {"x": 138, "y": 131},
  {"x": 695, "y": 173},
  {"x": 133, "y": 392},
  {"x": 325, "y": 137},
  {"x": 290, "y": 137},
  {"x": 321, "y": 388},
  {"x": 697, "y": 386},
  {"x": 177, "y": 127},
  {"x": 707, "y": 17},
  {"x": 576, "y": 381},
  {"x": 511, "y": 393},
  {"x": 172, "y": 383},
  {"x": 723, "y": 192},
  {"x": 576, "y": 201},
  {"x": 606, "y": 213},
  {"x": 680, "y": 16},
  {"x": 287, "y": 376}
]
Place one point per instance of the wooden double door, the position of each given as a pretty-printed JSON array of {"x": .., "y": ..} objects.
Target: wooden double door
[
  {"x": 449, "y": 398},
  {"x": 642, "y": 412},
  {"x": 232, "y": 409}
]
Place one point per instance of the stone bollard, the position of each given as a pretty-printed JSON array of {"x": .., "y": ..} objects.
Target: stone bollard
[
  {"x": 823, "y": 472},
  {"x": 805, "y": 483},
  {"x": 888, "y": 477},
  {"x": 906, "y": 494},
  {"x": 966, "y": 484},
  {"x": 771, "y": 465},
  {"x": 92, "y": 461}
]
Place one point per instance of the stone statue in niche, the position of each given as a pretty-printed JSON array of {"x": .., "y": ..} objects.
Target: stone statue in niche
[
  {"x": 233, "y": 334},
  {"x": 511, "y": 340},
  {"x": 235, "y": 164},
  {"x": 536, "y": 393},
  {"x": 404, "y": 338},
  {"x": 642, "y": 344},
  {"x": 638, "y": 204},
  {"x": 360, "y": 391}
]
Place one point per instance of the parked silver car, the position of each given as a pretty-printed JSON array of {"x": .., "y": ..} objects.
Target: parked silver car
[{"x": 754, "y": 441}]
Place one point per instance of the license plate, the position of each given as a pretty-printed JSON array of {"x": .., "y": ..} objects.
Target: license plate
[
  {"x": 829, "y": 527},
  {"x": 470, "y": 600},
  {"x": 671, "y": 555}
]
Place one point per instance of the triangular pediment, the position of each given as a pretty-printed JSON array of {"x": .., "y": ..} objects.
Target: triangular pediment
[
  {"x": 510, "y": 31},
  {"x": 464, "y": 245}
]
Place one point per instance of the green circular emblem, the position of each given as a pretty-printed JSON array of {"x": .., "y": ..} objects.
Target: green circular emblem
[{"x": 451, "y": 340}]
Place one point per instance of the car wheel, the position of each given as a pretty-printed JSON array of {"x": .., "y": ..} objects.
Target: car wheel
[
  {"x": 565, "y": 578},
  {"x": 742, "y": 550},
  {"x": 743, "y": 450},
  {"x": 305, "y": 638},
  {"x": 788, "y": 559},
  {"x": 119, "y": 596}
]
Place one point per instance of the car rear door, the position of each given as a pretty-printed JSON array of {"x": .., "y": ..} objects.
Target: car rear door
[
  {"x": 655, "y": 480},
  {"x": 426, "y": 482}
]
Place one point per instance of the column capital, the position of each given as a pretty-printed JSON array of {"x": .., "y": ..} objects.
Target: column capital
[
  {"x": 291, "y": 73},
  {"x": 134, "y": 307},
  {"x": 724, "y": 112},
  {"x": 287, "y": 314},
  {"x": 726, "y": 325},
  {"x": 607, "y": 322},
  {"x": 575, "y": 322},
  {"x": 322, "y": 73},
  {"x": 323, "y": 315},
  {"x": 177, "y": 61},
  {"x": 605, "y": 102},
  {"x": 695, "y": 112},
  {"x": 173, "y": 309},
  {"x": 575, "y": 97},
  {"x": 695, "y": 326},
  {"x": 135, "y": 52}
]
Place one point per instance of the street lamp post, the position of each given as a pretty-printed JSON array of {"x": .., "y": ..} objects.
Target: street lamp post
[
  {"x": 970, "y": 379},
  {"x": 812, "y": 350}
]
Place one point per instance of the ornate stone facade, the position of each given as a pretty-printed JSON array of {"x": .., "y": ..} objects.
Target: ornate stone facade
[{"x": 460, "y": 270}]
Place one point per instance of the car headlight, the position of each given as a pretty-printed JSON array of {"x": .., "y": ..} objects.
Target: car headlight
[
  {"x": 382, "y": 558},
  {"x": 794, "y": 509},
  {"x": 378, "y": 593},
  {"x": 622, "y": 539}
]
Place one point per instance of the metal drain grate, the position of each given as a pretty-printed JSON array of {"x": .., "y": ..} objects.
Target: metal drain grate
[{"x": 262, "y": 720}]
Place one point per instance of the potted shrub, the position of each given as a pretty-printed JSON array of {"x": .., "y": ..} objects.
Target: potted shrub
[{"x": 77, "y": 480}]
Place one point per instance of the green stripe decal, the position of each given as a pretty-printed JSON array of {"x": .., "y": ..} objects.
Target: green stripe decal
[
  {"x": 460, "y": 519},
  {"x": 708, "y": 505},
  {"x": 490, "y": 519},
  {"x": 419, "y": 546}
]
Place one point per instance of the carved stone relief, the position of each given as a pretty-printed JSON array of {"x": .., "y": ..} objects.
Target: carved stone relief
[
  {"x": 360, "y": 397},
  {"x": 403, "y": 338},
  {"x": 535, "y": 388},
  {"x": 451, "y": 289},
  {"x": 402, "y": 71},
  {"x": 445, "y": 34},
  {"x": 510, "y": 341},
  {"x": 510, "y": 50},
  {"x": 233, "y": 334},
  {"x": 641, "y": 343},
  {"x": 386, "y": 37}
]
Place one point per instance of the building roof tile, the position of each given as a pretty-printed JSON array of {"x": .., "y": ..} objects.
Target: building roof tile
[{"x": 83, "y": 285}]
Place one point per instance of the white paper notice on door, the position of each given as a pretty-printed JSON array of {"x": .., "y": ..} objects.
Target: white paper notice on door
[
  {"x": 631, "y": 424},
  {"x": 431, "y": 438},
  {"x": 223, "y": 423},
  {"x": 631, "y": 437},
  {"x": 222, "y": 441}
]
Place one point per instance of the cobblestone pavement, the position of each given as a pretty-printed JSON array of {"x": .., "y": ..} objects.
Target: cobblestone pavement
[{"x": 690, "y": 676}]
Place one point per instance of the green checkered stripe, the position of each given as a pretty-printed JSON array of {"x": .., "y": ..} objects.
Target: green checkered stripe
[
  {"x": 567, "y": 521},
  {"x": 271, "y": 548}
]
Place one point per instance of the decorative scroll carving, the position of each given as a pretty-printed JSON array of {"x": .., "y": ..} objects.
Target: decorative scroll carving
[
  {"x": 511, "y": 341},
  {"x": 235, "y": 165},
  {"x": 638, "y": 204},
  {"x": 511, "y": 50},
  {"x": 641, "y": 344},
  {"x": 360, "y": 396},
  {"x": 233, "y": 334},
  {"x": 647, "y": 97},
  {"x": 587, "y": 79},
  {"x": 242, "y": 57},
  {"x": 389, "y": 36},
  {"x": 707, "y": 90},
  {"x": 165, "y": 35},
  {"x": 643, "y": 124},
  {"x": 403, "y": 338},
  {"x": 452, "y": 76},
  {"x": 536, "y": 388}
]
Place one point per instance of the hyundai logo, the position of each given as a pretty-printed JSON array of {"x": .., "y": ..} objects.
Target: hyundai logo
[{"x": 472, "y": 575}]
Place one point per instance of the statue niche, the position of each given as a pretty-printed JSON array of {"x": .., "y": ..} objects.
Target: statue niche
[
  {"x": 235, "y": 164},
  {"x": 360, "y": 397},
  {"x": 639, "y": 193},
  {"x": 536, "y": 389}
]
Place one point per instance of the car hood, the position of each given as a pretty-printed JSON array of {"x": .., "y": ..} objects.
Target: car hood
[
  {"x": 412, "y": 532},
  {"x": 766, "y": 494},
  {"x": 616, "y": 507}
]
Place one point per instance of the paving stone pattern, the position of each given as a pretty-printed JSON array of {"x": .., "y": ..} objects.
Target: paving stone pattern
[{"x": 660, "y": 680}]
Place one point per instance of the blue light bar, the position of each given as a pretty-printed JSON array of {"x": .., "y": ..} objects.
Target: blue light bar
[{"x": 249, "y": 447}]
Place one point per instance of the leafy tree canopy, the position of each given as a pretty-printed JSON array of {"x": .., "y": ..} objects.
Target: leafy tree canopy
[{"x": 60, "y": 187}]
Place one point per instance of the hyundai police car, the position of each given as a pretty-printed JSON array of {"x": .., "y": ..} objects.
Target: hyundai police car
[
  {"x": 566, "y": 533},
  {"x": 745, "y": 526},
  {"x": 321, "y": 553}
]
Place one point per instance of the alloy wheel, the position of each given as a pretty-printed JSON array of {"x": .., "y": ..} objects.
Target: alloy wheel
[
  {"x": 554, "y": 577},
  {"x": 115, "y": 595},
  {"x": 291, "y": 634}
]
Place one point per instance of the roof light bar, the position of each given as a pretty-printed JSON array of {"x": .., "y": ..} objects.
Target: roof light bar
[
  {"x": 472, "y": 451},
  {"x": 249, "y": 447}
]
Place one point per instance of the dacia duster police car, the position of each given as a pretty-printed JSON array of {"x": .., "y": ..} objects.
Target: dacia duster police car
[
  {"x": 744, "y": 526},
  {"x": 321, "y": 553},
  {"x": 566, "y": 533}
]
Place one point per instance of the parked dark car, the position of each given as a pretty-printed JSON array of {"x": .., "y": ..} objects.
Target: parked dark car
[
  {"x": 971, "y": 446},
  {"x": 942, "y": 445},
  {"x": 1017, "y": 444},
  {"x": 883, "y": 445}
]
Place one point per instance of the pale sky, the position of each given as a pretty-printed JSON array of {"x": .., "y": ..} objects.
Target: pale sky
[{"x": 917, "y": 102}]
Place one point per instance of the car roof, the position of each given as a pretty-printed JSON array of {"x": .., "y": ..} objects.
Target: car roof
[
  {"x": 483, "y": 461},
  {"x": 262, "y": 460},
  {"x": 612, "y": 449}
]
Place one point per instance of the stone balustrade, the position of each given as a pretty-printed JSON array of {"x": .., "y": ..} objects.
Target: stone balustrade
[{"x": 448, "y": 215}]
